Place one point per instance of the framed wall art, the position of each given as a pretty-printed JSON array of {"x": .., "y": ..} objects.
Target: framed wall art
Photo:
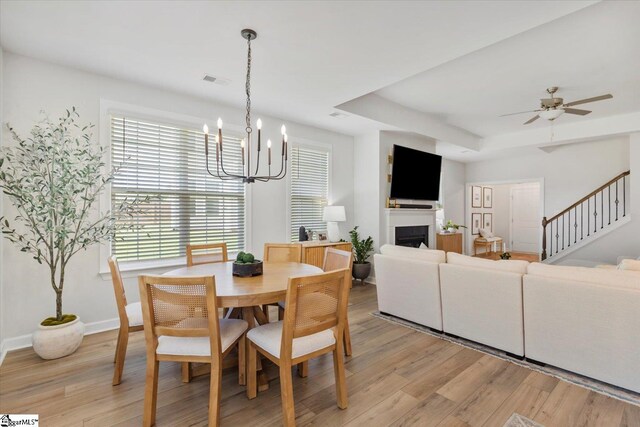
[
  {"x": 487, "y": 221},
  {"x": 476, "y": 197},
  {"x": 487, "y": 197},
  {"x": 476, "y": 223}
]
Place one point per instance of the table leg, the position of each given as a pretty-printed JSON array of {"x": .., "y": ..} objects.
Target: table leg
[{"x": 250, "y": 315}]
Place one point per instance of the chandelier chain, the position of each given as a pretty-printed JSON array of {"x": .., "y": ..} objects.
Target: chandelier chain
[{"x": 248, "y": 86}]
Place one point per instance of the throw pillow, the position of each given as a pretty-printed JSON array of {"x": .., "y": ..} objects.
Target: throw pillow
[
  {"x": 486, "y": 233},
  {"x": 629, "y": 264},
  {"x": 423, "y": 246}
]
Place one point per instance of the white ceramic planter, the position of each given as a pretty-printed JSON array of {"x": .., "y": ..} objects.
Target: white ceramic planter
[{"x": 53, "y": 342}]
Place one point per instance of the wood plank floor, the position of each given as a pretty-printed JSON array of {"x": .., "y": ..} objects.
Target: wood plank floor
[{"x": 396, "y": 377}]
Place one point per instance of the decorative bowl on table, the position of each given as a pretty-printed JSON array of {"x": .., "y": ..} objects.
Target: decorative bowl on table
[{"x": 246, "y": 265}]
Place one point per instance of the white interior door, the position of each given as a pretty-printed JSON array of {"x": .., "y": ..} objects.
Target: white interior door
[{"x": 525, "y": 218}]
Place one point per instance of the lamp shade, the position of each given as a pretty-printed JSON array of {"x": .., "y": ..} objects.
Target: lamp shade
[{"x": 334, "y": 214}]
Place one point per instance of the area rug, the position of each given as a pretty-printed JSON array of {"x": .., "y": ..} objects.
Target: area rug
[
  {"x": 579, "y": 380},
  {"x": 517, "y": 420}
]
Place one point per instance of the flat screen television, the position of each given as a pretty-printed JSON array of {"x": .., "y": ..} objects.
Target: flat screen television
[{"x": 415, "y": 174}]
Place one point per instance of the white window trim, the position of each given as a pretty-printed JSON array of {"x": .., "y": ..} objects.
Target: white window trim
[
  {"x": 109, "y": 108},
  {"x": 306, "y": 143}
]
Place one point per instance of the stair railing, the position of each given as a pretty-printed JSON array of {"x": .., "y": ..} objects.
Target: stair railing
[{"x": 600, "y": 208}]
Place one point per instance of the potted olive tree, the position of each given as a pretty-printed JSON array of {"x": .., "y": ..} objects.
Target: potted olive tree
[
  {"x": 361, "y": 251},
  {"x": 53, "y": 179}
]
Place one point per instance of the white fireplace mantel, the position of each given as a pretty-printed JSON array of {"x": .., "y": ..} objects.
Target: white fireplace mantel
[{"x": 402, "y": 217}]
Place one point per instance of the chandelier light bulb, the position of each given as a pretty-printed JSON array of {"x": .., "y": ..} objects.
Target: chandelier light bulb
[
  {"x": 242, "y": 144},
  {"x": 269, "y": 143},
  {"x": 283, "y": 130},
  {"x": 286, "y": 137},
  {"x": 205, "y": 129},
  {"x": 259, "y": 124},
  {"x": 219, "y": 123}
]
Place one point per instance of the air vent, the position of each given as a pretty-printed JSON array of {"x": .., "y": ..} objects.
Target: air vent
[
  {"x": 217, "y": 80},
  {"x": 338, "y": 115}
]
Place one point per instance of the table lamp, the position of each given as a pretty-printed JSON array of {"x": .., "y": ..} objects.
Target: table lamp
[{"x": 332, "y": 215}]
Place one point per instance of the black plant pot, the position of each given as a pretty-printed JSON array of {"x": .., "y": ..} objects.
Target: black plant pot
[
  {"x": 247, "y": 270},
  {"x": 361, "y": 271}
]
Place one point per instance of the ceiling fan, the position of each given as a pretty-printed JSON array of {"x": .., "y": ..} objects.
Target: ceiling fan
[{"x": 553, "y": 107}]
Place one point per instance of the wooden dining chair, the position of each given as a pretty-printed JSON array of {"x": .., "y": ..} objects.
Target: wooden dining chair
[
  {"x": 316, "y": 309},
  {"x": 130, "y": 319},
  {"x": 206, "y": 253},
  {"x": 334, "y": 259},
  {"x": 182, "y": 325},
  {"x": 280, "y": 252}
]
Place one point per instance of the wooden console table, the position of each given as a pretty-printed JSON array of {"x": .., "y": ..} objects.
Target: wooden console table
[
  {"x": 313, "y": 250},
  {"x": 449, "y": 242}
]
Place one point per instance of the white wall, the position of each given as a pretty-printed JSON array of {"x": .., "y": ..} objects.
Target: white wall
[
  {"x": 366, "y": 186},
  {"x": 570, "y": 172},
  {"x": 31, "y": 86}
]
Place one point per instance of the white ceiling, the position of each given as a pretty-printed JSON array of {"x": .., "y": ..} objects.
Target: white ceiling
[
  {"x": 591, "y": 52},
  {"x": 312, "y": 56}
]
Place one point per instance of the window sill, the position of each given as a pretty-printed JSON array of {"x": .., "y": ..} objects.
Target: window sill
[{"x": 129, "y": 269}]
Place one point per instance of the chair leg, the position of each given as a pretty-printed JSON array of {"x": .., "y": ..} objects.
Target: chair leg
[
  {"x": 265, "y": 310},
  {"x": 303, "y": 369},
  {"x": 242, "y": 363},
  {"x": 286, "y": 393},
  {"x": 115, "y": 355},
  {"x": 214, "y": 394},
  {"x": 150, "y": 393},
  {"x": 121, "y": 353},
  {"x": 341, "y": 384},
  {"x": 347, "y": 338},
  {"x": 252, "y": 371},
  {"x": 280, "y": 313},
  {"x": 186, "y": 372}
]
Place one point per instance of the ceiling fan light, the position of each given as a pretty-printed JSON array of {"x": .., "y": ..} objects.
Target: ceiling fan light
[{"x": 551, "y": 114}]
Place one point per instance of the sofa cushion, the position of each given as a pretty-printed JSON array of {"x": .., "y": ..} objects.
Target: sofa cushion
[
  {"x": 597, "y": 276},
  {"x": 428, "y": 255},
  {"x": 516, "y": 266},
  {"x": 629, "y": 264}
]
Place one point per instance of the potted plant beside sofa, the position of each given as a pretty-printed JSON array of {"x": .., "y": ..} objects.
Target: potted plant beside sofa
[
  {"x": 362, "y": 249},
  {"x": 53, "y": 179}
]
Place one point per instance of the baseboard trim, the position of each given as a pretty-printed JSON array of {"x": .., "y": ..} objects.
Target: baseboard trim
[{"x": 24, "y": 341}]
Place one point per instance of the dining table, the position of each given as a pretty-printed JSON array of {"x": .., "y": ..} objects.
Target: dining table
[{"x": 243, "y": 297}]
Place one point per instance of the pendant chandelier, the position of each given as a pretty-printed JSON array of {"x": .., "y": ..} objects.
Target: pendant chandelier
[{"x": 248, "y": 174}]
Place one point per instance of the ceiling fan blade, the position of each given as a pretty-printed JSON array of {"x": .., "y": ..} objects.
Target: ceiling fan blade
[
  {"x": 576, "y": 111},
  {"x": 521, "y": 112},
  {"x": 532, "y": 119},
  {"x": 584, "y": 101}
]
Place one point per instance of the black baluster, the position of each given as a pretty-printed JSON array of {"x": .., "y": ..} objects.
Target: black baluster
[
  {"x": 550, "y": 239},
  {"x": 557, "y": 236},
  {"x": 563, "y": 232},
  {"x": 575, "y": 224},
  {"x": 581, "y": 220},
  {"x": 624, "y": 196},
  {"x": 602, "y": 209},
  {"x": 569, "y": 229},
  {"x": 617, "y": 201},
  {"x": 595, "y": 213},
  {"x": 609, "y": 205},
  {"x": 588, "y": 217}
]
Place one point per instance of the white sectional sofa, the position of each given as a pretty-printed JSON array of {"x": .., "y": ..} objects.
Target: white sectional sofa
[
  {"x": 408, "y": 284},
  {"x": 482, "y": 301},
  {"x": 584, "y": 320}
]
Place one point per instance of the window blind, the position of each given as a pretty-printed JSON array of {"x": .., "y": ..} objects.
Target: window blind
[
  {"x": 166, "y": 163},
  {"x": 309, "y": 189}
]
